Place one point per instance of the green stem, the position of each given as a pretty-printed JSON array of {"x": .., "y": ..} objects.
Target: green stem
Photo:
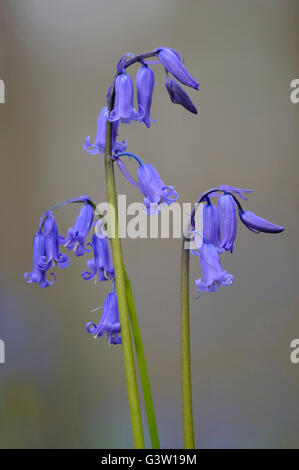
[
  {"x": 127, "y": 348},
  {"x": 185, "y": 352},
  {"x": 146, "y": 387}
]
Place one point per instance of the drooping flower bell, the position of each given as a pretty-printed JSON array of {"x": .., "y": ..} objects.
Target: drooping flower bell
[
  {"x": 145, "y": 80},
  {"x": 124, "y": 101},
  {"x": 109, "y": 323},
  {"x": 99, "y": 144},
  {"x": 40, "y": 263},
  {"x": 50, "y": 231},
  {"x": 178, "y": 95},
  {"x": 155, "y": 191},
  {"x": 213, "y": 276},
  {"x": 211, "y": 224},
  {"x": 172, "y": 63},
  {"x": 149, "y": 183},
  {"x": 101, "y": 265},
  {"x": 228, "y": 221},
  {"x": 76, "y": 235},
  {"x": 258, "y": 224}
]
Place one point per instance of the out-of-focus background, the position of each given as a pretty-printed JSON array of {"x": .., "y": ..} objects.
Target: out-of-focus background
[{"x": 61, "y": 388}]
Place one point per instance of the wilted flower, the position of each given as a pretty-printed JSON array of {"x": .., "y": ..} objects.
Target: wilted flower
[
  {"x": 109, "y": 322},
  {"x": 50, "y": 231},
  {"x": 77, "y": 234},
  {"x": 145, "y": 80},
  {"x": 228, "y": 221},
  {"x": 124, "y": 101},
  {"x": 40, "y": 263},
  {"x": 99, "y": 144},
  {"x": 101, "y": 265},
  {"x": 178, "y": 95},
  {"x": 258, "y": 224},
  {"x": 212, "y": 273},
  {"x": 175, "y": 66}
]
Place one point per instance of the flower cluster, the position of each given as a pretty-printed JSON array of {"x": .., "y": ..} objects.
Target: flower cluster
[
  {"x": 46, "y": 254},
  {"x": 219, "y": 233},
  {"x": 121, "y": 109}
]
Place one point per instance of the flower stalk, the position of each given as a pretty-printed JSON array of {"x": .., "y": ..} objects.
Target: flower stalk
[
  {"x": 127, "y": 348},
  {"x": 144, "y": 378},
  {"x": 218, "y": 235},
  {"x": 185, "y": 351}
]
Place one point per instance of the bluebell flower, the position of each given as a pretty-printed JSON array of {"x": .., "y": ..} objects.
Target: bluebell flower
[
  {"x": 211, "y": 224},
  {"x": 175, "y": 66},
  {"x": 228, "y": 221},
  {"x": 258, "y": 224},
  {"x": 155, "y": 191},
  {"x": 41, "y": 263},
  {"x": 99, "y": 144},
  {"x": 145, "y": 80},
  {"x": 101, "y": 265},
  {"x": 149, "y": 183},
  {"x": 76, "y": 235},
  {"x": 109, "y": 323},
  {"x": 124, "y": 101},
  {"x": 213, "y": 276},
  {"x": 50, "y": 231},
  {"x": 178, "y": 95}
]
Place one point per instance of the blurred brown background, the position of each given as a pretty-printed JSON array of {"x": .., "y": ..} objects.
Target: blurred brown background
[{"x": 61, "y": 388}]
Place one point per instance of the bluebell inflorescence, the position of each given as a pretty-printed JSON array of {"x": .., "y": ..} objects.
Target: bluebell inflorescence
[
  {"x": 46, "y": 254},
  {"x": 219, "y": 233},
  {"x": 120, "y": 109}
]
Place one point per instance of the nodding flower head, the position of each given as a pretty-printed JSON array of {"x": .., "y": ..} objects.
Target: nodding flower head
[
  {"x": 145, "y": 81},
  {"x": 99, "y": 144},
  {"x": 211, "y": 224},
  {"x": 178, "y": 95},
  {"x": 40, "y": 262},
  {"x": 258, "y": 224},
  {"x": 228, "y": 221},
  {"x": 49, "y": 228},
  {"x": 76, "y": 235},
  {"x": 109, "y": 323},
  {"x": 172, "y": 63},
  {"x": 124, "y": 101},
  {"x": 149, "y": 183},
  {"x": 101, "y": 265},
  {"x": 153, "y": 188},
  {"x": 213, "y": 276}
]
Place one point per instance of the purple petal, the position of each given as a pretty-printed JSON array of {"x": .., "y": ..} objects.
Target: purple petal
[
  {"x": 176, "y": 67},
  {"x": 253, "y": 221},
  {"x": 179, "y": 96}
]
